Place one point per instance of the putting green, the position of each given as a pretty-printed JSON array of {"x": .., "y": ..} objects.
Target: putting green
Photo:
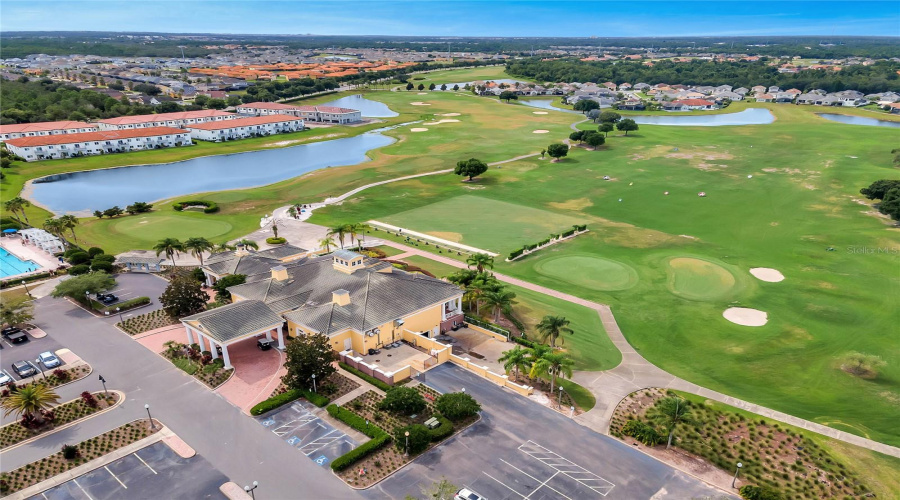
[
  {"x": 588, "y": 271},
  {"x": 154, "y": 228},
  {"x": 699, "y": 279}
]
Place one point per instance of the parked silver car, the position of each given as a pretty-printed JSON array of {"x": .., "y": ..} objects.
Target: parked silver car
[{"x": 49, "y": 360}]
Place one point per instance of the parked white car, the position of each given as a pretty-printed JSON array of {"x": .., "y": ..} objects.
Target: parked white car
[
  {"x": 4, "y": 378},
  {"x": 466, "y": 494},
  {"x": 49, "y": 360}
]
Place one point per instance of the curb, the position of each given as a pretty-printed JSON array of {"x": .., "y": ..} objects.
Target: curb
[
  {"x": 66, "y": 425},
  {"x": 233, "y": 492}
]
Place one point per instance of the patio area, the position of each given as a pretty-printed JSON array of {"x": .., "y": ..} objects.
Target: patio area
[
  {"x": 477, "y": 346},
  {"x": 390, "y": 360}
]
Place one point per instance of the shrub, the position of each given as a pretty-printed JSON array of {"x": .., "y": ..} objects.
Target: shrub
[
  {"x": 368, "y": 378},
  {"x": 418, "y": 439},
  {"x": 642, "y": 432},
  {"x": 70, "y": 452},
  {"x": 276, "y": 241},
  {"x": 285, "y": 398},
  {"x": 125, "y": 305},
  {"x": 79, "y": 258},
  {"x": 104, "y": 258},
  {"x": 79, "y": 269},
  {"x": 751, "y": 492},
  {"x": 95, "y": 251},
  {"x": 457, "y": 405},
  {"x": 89, "y": 399},
  {"x": 351, "y": 457},
  {"x": 61, "y": 375},
  {"x": 198, "y": 275},
  {"x": 516, "y": 253},
  {"x": 211, "y": 206},
  {"x": 99, "y": 265},
  {"x": 442, "y": 431},
  {"x": 523, "y": 341},
  {"x": 355, "y": 421},
  {"x": 403, "y": 400}
]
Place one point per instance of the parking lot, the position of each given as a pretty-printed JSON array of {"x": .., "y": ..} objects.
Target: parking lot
[
  {"x": 153, "y": 472},
  {"x": 133, "y": 285},
  {"x": 309, "y": 434},
  {"x": 27, "y": 351}
]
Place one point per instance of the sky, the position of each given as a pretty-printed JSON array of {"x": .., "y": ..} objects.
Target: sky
[{"x": 502, "y": 18}]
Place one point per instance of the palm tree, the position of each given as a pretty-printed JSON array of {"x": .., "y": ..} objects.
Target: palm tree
[
  {"x": 196, "y": 246},
  {"x": 669, "y": 412},
  {"x": 248, "y": 244},
  {"x": 14, "y": 205},
  {"x": 480, "y": 261},
  {"x": 340, "y": 231},
  {"x": 29, "y": 401},
  {"x": 223, "y": 247},
  {"x": 360, "y": 228},
  {"x": 326, "y": 243},
  {"x": 480, "y": 284},
  {"x": 69, "y": 222},
  {"x": 169, "y": 246},
  {"x": 56, "y": 226},
  {"x": 515, "y": 359},
  {"x": 552, "y": 364},
  {"x": 553, "y": 327},
  {"x": 499, "y": 300}
]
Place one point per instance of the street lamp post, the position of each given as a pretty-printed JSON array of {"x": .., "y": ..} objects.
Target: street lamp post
[
  {"x": 149, "y": 417},
  {"x": 407, "y": 443},
  {"x": 87, "y": 295},
  {"x": 314, "y": 382},
  {"x": 559, "y": 399},
  {"x": 249, "y": 489},
  {"x": 26, "y": 289},
  {"x": 103, "y": 381},
  {"x": 119, "y": 310},
  {"x": 736, "y": 470},
  {"x": 41, "y": 368}
]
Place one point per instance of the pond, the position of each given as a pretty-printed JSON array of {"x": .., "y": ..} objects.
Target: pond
[
  {"x": 84, "y": 192},
  {"x": 546, "y": 104},
  {"x": 368, "y": 107},
  {"x": 751, "y": 116},
  {"x": 859, "y": 120}
]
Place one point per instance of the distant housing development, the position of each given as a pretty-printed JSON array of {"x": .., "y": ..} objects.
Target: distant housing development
[
  {"x": 179, "y": 119},
  {"x": 322, "y": 114},
  {"x": 48, "y": 147},
  {"x": 240, "y": 128},
  {"x": 16, "y": 130}
]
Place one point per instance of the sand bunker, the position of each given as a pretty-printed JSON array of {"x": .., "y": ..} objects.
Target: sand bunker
[
  {"x": 450, "y": 114},
  {"x": 420, "y": 103},
  {"x": 540, "y": 112},
  {"x": 541, "y": 131},
  {"x": 442, "y": 121},
  {"x": 422, "y": 93},
  {"x": 418, "y": 129},
  {"x": 746, "y": 317},
  {"x": 767, "y": 274}
]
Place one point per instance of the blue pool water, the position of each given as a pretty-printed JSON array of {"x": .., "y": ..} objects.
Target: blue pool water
[{"x": 10, "y": 265}]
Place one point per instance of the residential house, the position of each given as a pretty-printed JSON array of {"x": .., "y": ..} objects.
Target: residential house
[
  {"x": 640, "y": 87},
  {"x": 92, "y": 143},
  {"x": 758, "y": 89},
  {"x": 783, "y": 97},
  {"x": 240, "y": 128},
  {"x": 695, "y": 104},
  {"x": 894, "y": 108},
  {"x": 179, "y": 119},
  {"x": 764, "y": 98},
  {"x": 741, "y": 90},
  {"x": 632, "y": 105},
  {"x": 808, "y": 98}
]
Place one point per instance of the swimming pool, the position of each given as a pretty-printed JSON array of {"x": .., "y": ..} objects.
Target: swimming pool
[{"x": 10, "y": 265}]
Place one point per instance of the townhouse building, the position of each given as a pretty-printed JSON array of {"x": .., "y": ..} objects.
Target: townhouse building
[
  {"x": 320, "y": 114},
  {"x": 179, "y": 119},
  {"x": 17, "y": 130},
  {"x": 240, "y": 128},
  {"x": 47, "y": 147}
]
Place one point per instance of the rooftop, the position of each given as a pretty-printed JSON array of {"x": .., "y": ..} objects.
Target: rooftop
[
  {"x": 102, "y": 135},
  {"x": 22, "y": 128},
  {"x": 244, "y": 122},
  {"x": 160, "y": 117}
]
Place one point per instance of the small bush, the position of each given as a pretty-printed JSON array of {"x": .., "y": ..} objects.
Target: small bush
[
  {"x": 79, "y": 258},
  {"x": 285, "y": 398},
  {"x": 355, "y": 421},
  {"x": 70, "y": 452},
  {"x": 642, "y": 432},
  {"x": 276, "y": 241},
  {"x": 360, "y": 452},
  {"x": 89, "y": 399},
  {"x": 403, "y": 400},
  {"x": 418, "y": 439},
  {"x": 211, "y": 206},
  {"x": 79, "y": 269},
  {"x": 442, "y": 431},
  {"x": 198, "y": 275},
  {"x": 751, "y": 492},
  {"x": 457, "y": 405},
  {"x": 99, "y": 265},
  {"x": 61, "y": 375},
  {"x": 104, "y": 258},
  {"x": 95, "y": 251}
]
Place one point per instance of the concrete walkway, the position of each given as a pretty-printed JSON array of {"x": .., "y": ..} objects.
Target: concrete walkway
[{"x": 635, "y": 372}]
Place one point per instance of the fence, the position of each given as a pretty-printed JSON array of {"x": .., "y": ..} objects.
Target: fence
[
  {"x": 488, "y": 328},
  {"x": 389, "y": 378}
]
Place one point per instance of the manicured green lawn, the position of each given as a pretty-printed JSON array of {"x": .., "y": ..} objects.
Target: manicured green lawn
[
  {"x": 589, "y": 271},
  {"x": 583, "y": 397},
  {"x": 439, "y": 269}
]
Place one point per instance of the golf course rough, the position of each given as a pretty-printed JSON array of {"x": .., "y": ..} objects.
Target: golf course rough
[{"x": 589, "y": 271}]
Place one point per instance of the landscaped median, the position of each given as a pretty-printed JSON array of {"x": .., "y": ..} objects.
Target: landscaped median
[
  {"x": 199, "y": 364},
  {"x": 146, "y": 322},
  {"x": 334, "y": 387},
  {"x": 52, "y": 417}
]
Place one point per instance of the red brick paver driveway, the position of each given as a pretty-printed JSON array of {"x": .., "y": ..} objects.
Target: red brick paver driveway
[{"x": 256, "y": 374}]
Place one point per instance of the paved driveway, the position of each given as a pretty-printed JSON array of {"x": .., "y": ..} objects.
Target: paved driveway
[
  {"x": 256, "y": 374},
  {"x": 522, "y": 450}
]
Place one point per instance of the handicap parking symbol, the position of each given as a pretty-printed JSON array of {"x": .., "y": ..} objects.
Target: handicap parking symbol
[
  {"x": 294, "y": 440},
  {"x": 267, "y": 422},
  {"x": 322, "y": 460}
]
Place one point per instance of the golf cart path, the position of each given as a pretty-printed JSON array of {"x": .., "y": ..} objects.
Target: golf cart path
[{"x": 635, "y": 372}]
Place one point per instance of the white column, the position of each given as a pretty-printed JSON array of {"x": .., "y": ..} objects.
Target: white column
[
  {"x": 212, "y": 349},
  {"x": 459, "y": 304},
  {"x": 225, "y": 357},
  {"x": 280, "y": 339},
  {"x": 269, "y": 335},
  {"x": 190, "y": 335},
  {"x": 200, "y": 341}
]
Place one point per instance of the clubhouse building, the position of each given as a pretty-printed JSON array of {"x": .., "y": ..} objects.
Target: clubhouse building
[
  {"x": 358, "y": 302},
  {"x": 241, "y": 128},
  {"x": 47, "y": 147},
  {"x": 319, "y": 114}
]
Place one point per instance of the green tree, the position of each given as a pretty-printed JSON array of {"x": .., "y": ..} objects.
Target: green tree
[
  {"x": 586, "y": 105},
  {"x": 668, "y": 412},
  {"x": 233, "y": 100},
  {"x": 455, "y": 87},
  {"x": 557, "y": 151},
  {"x": 183, "y": 297},
  {"x": 248, "y": 244},
  {"x": 79, "y": 287},
  {"x": 576, "y": 136},
  {"x": 552, "y": 364},
  {"x": 480, "y": 261},
  {"x": 29, "y": 401},
  {"x": 360, "y": 229},
  {"x": 543, "y": 152},
  {"x": 17, "y": 310},
  {"x": 440, "y": 490},
  {"x": 627, "y": 125},
  {"x": 113, "y": 212},
  {"x": 56, "y": 227},
  {"x": 515, "y": 359},
  {"x": 500, "y": 300},
  {"x": 875, "y": 191},
  {"x": 457, "y": 405},
  {"x": 418, "y": 440},
  {"x": 341, "y": 231},
  {"x": 69, "y": 222},
  {"x": 409, "y": 86},
  {"x": 606, "y": 128},
  {"x": 169, "y": 246},
  {"x": 17, "y": 206},
  {"x": 593, "y": 115},
  {"x": 507, "y": 96},
  {"x": 308, "y": 355},
  {"x": 444, "y": 87},
  {"x": 472, "y": 168},
  {"x": 98, "y": 214},
  {"x": 431, "y": 87},
  {"x": 480, "y": 284},
  {"x": 610, "y": 117},
  {"x": 217, "y": 104},
  {"x": 221, "y": 286},
  {"x": 421, "y": 87},
  {"x": 403, "y": 401},
  {"x": 326, "y": 243},
  {"x": 594, "y": 139},
  {"x": 862, "y": 365},
  {"x": 890, "y": 205},
  {"x": 196, "y": 247},
  {"x": 138, "y": 207},
  {"x": 552, "y": 327}
]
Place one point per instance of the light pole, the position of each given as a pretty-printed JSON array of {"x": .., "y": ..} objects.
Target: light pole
[
  {"x": 559, "y": 399},
  {"x": 250, "y": 489},
  {"x": 407, "y": 443},
  {"x": 87, "y": 295},
  {"x": 738, "y": 469},
  {"x": 314, "y": 382},
  {"x": 119, "y": 310},
  {"x": 26, "y": 289},
  {"x": 41, "y": 368},
  {"x": 103, "y": 381},
  {"x": 150, "y": 418}
]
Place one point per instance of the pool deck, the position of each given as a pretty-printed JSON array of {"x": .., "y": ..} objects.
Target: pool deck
[{"x": 17, "y": 247}]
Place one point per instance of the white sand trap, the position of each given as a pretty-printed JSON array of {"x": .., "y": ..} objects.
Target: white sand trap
[
  {"x": 767, "y": 274},
  {"x": 541, "y": 131},
  {"x": 540, "y": 112},
  {"x": 420, "y": 103},
  {"x": 746, "y": 317},
  {"x": 421, "y": 93},
  {"x": 443, "y": 120},
  {"x": 418, "y": 129},
  {"x": 450, "y": 114}
]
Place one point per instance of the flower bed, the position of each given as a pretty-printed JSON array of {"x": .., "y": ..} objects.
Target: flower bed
[
  {"x": 15, "y": 432},
  {"x": 85, "y": 451},
  {"x": 58, "y": 377},
  {"x": 146, "y": 322},
  {"x": 335, "y": 387},
  {"x": 200, "y": 365}
]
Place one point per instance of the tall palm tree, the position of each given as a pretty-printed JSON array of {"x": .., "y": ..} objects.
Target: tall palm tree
[
  {"x": 553, "y": 327},
  {"x": 196, "y": 246},
  {"x": 249, "y": 244},
  {"x": 552, "y": 364},
  {"x": 480, "y": 284},
  {"x": 223, "y": 247},
  {"x": 69, "y": 222},
  {"x": 360, "y": 228},
  {"x": 515, "y": 359},
  {"x": 169, "y": 246},
  {"x": 669, "y": 412},
  {"x": 340, "y": 231},
  {"x": 499, "y": 300},
  {"x": 56, "y": 227},
  {"x": 13, "y": 205},
  {"x": 480, "y": 261},
  {"x": 326, "y": 243},
  {"x": 29, "y": 401}
]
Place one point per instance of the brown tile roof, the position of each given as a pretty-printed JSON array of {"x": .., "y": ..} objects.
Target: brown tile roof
[
  {"x": 18, "y": 128},
  {"x": 178, "y": 115}
]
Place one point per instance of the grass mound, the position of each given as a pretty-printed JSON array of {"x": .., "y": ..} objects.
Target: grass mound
[{"x": 699, "y": 279}]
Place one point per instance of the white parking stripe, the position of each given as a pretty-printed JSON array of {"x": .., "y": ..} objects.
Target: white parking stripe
[
  {"x": 115, "y": 477},
  {"x": 145, "y": 463},
  {"x": 82, "y": 489},
  {"x": 573, "y": 470},
  {"x": 503, "y": 484},
  {"x": 538, "y": 480}
]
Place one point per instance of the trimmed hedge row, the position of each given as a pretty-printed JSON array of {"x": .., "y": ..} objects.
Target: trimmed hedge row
[
  {"x": 368, "y": 378},
  {"x": 523, "y": 341},
  {"x": 442, "y": 431},
  {"x": 211, "y": 206},
  {"x": 276, "y": 241},
  {"x": 123, "y": 306},
  {"x": 287, "y": 397},
  {"x": 353, "y": 420},
  {"x": 378, "y": 435},
  {"x": 566, "y": 234}
]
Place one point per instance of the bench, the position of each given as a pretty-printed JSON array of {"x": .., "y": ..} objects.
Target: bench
[{"x": 432, "y": 423}]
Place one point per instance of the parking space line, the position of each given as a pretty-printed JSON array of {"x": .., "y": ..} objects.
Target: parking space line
[
  {"x": 538, "y": 480},
  {"x": 115, "y": 477},
  {"x": 45, "y": 496},
  {"x": 323, "y": 441},
  {"x": 82, "y": 489},
  {"x": 573, "y": 470},
  {"x": 503, "y": 484},
  {"x": 545, "y": 484},
  {"x": 145, "y": 463}
]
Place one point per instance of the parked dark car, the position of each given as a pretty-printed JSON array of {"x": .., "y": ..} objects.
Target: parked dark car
[
  {"x": 10, "y": 329},
  {"x": 263, "y": 344},
  {"x": 16, "y": 337},
  {"x": 107, "y": 298},
  {"x": 374, "y": 351},
  {"x": 24, "y": 369}
]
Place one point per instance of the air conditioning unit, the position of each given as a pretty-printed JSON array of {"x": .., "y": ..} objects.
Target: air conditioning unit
[{"x": 398, "y": 322}]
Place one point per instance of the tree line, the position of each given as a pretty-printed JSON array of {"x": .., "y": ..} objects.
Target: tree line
[{"x": 879, "y": 77}]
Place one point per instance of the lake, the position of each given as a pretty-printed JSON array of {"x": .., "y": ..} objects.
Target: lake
[
  {"x": 751, "y": 116},
  {"x": 102, "y": 189},
  {"x": 368, "y": 107},
  {"x": 546, "y": 104},
  {"x": 859, "y": 120}
]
